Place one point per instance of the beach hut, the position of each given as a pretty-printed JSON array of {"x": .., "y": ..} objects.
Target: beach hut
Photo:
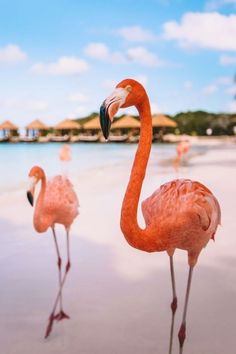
[
  {"x": 92, "y": 124},
  {"x": 65, "y": 130},
  {"x": 8, "y": 129},
  {"x": 125, "y": 128},
  {"x": 91, "y": 129},
  {"x": 159, "y": 120},
  {"x": 159, "y": 123},
  {"x": 35, "y": 128},
  {"x": 126, "y": 122}
]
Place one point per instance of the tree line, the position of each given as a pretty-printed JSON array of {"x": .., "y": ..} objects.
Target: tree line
[{"x": 195, "y": 123}]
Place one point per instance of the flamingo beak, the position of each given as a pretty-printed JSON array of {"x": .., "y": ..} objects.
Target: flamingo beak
[
  {"x": 105, "y": 121},
  {"x": 30, "y": 192},
  {"x": 30, "y": 197}
]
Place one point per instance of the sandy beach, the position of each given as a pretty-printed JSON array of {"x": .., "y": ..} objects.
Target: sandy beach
[{"x": 118, "y": 298}]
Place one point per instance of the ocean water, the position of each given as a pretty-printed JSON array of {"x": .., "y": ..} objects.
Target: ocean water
[{"x": 17, "y": 159}]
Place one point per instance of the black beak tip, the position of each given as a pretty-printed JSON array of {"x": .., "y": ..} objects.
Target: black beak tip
[
  {"x": 104, "y": 121},
  {"x": 30, "y": 198}
]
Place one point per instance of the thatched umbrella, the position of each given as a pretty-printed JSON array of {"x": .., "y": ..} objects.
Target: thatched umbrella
[
  {"x": 126, "y": 122},
  {"x": 162, "y": 122},
  {"x": 92, "y": 124},
  {"x": 36, "y": 126},
  {"x": 8, "y": 128},
  {"x": 159, "y": 120},
  {"x": 67, "y": 125}
]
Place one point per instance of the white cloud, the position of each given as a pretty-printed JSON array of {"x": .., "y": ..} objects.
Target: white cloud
[
  {"x": 188, "y": 85},
  {"x": 210, "y": 89},
  {"x": 63, "y": 66},
  {"x": 97, "y": 50},
  {"x": 78, "y": 97},
  {"x": 100, "y": 51},
  {"x": 203, "y": 30},
  {"x": 12, "y": 54},
  {"x": 136, "y": 34},
  {"x": 139, "y": 55},
  {"x": 142, "y": 56},
  {"x": 212, "y": 5},
  {"x": 231, "y": 106},
  {"x": 227, "y": 60}
]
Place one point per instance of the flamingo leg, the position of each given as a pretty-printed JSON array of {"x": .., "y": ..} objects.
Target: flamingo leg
[
  {"x": 173, "y": 304},
  {"x": 182, "y": 330},
  {"x": 59, "y": 262},
  {"x": 61, "y": 315}
]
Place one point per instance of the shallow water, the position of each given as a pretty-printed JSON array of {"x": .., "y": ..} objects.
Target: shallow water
[{"x": 17, "y": 159}]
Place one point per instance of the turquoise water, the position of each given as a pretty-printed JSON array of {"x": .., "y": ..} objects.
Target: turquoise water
[{"x": 17, "y": 159}]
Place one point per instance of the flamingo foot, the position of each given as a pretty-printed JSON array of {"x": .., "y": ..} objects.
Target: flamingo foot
[
  {"x": 61, "y": 316},
  {"x": 174, "y": 305},
  {"x": 50, "y": 325}
]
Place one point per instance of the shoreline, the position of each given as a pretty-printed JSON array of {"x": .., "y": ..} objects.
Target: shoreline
[{"x": 168, "y": 139}]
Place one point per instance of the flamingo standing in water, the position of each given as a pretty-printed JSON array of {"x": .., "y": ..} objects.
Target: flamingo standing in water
[
  {"x": 57, "y": 203},
  {"x": 180, "y": 214}
]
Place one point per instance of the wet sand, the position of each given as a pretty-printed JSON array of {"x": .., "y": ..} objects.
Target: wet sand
[{"x": 118, "y": 298}]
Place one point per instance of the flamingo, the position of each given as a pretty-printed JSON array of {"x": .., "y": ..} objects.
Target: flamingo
[
  {"x": 181, "y": 214},
  {"x": 57, "y": 203},
  {"x": 65, "y": 153},
  {"x": 182, "y": 148}
]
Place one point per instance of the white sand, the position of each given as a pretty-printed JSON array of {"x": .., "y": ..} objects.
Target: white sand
[{"x": 118, "y": 297}]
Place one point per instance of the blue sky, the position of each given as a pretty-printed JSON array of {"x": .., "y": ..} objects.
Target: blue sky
[{"x": 62, "y": 58}]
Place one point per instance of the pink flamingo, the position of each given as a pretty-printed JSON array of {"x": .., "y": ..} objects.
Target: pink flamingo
[
  {"x": 57, "y": 203},
  {"x": 180, "y": 214},
  {"x": 65, "y": 153},
  {"x": 182, "y": 148}
]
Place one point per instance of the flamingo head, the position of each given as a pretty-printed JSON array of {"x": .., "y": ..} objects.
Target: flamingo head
[
  {"x": 127, "y": 93},
  {"x": 36, "y": 174}
]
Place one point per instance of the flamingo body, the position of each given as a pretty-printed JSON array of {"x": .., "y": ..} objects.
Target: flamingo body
[
  {"x": 183, "y": 214},
  {"x": 60, "y": 204}
]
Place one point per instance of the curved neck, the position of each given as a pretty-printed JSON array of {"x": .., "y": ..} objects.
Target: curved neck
[
  {"x": 134, "y": 235},
  {"x": 39, "y": 221}
]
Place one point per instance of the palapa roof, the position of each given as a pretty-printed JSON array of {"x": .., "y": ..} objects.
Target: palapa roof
[
  {"x": 159, "y": 120},
  {"x": 8, "y": 125},
  {"x": 37, "y": 124},
  {"x": 93, "y": 123},
  {"x": 126, "y": 122},
  {"x": 67, "y": 124}
]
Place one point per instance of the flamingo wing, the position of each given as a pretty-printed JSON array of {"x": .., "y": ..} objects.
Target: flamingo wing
[
  {"x": 61, "y": 202},
  {"x": 180, "y": 202}
]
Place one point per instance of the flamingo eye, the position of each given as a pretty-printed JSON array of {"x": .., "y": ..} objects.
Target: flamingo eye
[{"x": 128, "y": 88}]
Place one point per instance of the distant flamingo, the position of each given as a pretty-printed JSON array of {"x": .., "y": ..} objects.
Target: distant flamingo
[
  {"x": 182, "y": 148},
  {"x": 65, "y": 153},
  {"x": 57, "y": 203},
  {"x": 180, "y": 214}
]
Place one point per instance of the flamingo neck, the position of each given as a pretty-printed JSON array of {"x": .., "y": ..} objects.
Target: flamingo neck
[
  {"x": 135, "y": 236},
  {"x": 39, "y": 220}
]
